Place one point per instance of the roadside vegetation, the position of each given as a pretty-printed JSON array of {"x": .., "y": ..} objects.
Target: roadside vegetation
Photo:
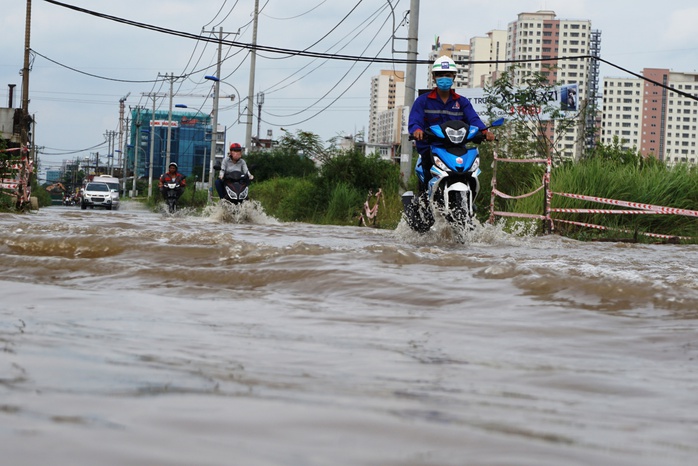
[{"x": 615, "y": 174}]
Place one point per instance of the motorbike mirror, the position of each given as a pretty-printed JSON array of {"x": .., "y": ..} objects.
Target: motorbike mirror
[{"x": 497, "y": 122}]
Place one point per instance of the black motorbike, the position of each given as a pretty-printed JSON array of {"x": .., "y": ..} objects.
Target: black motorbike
[
  {"x": 172, "y": 191},
  {"x": 236, "y": 187},
  {"x": 454, "y": 185}
]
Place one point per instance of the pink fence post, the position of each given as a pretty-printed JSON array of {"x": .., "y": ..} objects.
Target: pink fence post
[{"x": 493, "y": 194}]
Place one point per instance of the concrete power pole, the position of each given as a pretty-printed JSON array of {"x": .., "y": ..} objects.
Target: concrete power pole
[
  {"x": 214, "y": 120},
  {"x": 154, "y": 96},
  {"x": 260, "y": 101},
  {"x": 23, "y": 135},
  {"x": 110, "y": 154},
  {"x": 122, "y": 108},
  {"x": 136, "y": 149},
  {"x": 172, "y": 79},
  {"x": 410, "y": 88},
  {"x": 250, "y": 91},
  {"x": 122, "y": 146},
  {"x": 25, "y": 118}
]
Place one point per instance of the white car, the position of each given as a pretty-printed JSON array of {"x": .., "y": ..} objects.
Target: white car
[{"x": 99, "y": 195}]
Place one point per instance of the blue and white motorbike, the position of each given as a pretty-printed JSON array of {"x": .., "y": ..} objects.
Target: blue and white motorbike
[{"x": 454, "y": 183}]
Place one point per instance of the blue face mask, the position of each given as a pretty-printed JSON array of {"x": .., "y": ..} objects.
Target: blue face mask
[{"x": 444, "y": 83}]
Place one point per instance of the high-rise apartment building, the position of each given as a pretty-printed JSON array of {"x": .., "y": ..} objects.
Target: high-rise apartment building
[
  {"x": 650, "y": 118},
  {"x": 387, "y": 93},
  {"x": 487, "y": 54},
  {"x": 541, "y": 35}
]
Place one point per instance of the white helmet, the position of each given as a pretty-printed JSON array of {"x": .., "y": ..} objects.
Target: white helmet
[{"x": 443, "y": 64}]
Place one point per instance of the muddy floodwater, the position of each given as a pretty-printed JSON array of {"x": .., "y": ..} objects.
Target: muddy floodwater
[{"x": 133, "y": 337}]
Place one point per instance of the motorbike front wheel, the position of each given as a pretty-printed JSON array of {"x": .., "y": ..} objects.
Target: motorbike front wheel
[{"x": 458, "y": 211}]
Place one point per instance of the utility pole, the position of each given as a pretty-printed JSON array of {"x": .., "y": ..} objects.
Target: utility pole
[
  {"x": 172, "y": 79},
  {"x": 260, "y": 101},
  {"x": 203, "y": 169},
  {"x": 122, "y": 107},
  {"x": 253, "y": 64},
  {"x": 111, "y": 146},
  {"x": 136, "y": 148},
  {"x": 107, "y": 135},
  {"x": 154, "y": 96},
  {"x": 123, "y": 143},
  {"x": 25, "y": 119},
  {"x": 410, "y": 88},
  {"x": 23, "y": 135},
  {"x": 214, "y": 114},
  {"x": 214, "y": 121}
]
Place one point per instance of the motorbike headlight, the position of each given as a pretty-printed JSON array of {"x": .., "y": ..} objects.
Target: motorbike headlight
[
  {"x": 456, "y": 136},
  {"x": 439, "y": 164},
  {"x": 476, "y": 165}
]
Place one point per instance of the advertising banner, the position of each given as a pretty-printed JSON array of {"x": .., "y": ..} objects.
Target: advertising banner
[{"x": 564, "y": 97}]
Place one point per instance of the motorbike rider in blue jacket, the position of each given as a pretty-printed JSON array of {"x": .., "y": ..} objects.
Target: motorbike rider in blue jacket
[{"x": 438, "y": 106}]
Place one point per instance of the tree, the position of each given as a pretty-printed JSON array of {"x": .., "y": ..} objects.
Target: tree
[{"x": 304, "y": 142}]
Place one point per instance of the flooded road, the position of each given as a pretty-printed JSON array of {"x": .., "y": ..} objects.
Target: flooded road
[{"x": 135, "y": 338}]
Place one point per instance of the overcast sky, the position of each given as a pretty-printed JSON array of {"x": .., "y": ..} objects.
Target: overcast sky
[{"x": 328, "y": 97}]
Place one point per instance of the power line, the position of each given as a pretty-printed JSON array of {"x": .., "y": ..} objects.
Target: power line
[
  {"x": 341, "y": 94},
  {"x": 298, "y": 15},
  {"x": 334, "y": 27},
  {"x": 90, "y": 74},
  {"x": 256, "y": 47},
  {"x": 365, "y": 25},
  {"x": 72, "y": 151}
]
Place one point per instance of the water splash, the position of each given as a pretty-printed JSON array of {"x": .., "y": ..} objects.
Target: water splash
[
  {"x": 443, "y": 233},
  {"x": 248, "y": 212}
]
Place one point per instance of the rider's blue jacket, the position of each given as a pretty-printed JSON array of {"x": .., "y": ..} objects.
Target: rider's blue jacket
[{"x": 428, "y": 109}]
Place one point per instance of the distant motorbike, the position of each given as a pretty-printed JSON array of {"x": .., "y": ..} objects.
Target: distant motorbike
[
  {"x": 172, "y": 195},
  {"x": 454, "y": 183},
  {"x": 236, "y": 187}
]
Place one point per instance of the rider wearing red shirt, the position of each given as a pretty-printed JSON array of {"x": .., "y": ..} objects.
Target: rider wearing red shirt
[{"x": 172, "y": 176}]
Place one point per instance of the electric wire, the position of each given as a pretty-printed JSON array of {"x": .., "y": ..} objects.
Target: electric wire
[
  {"x": 91, "y": 74},
  {"x": 256, "y": 47},
  {"x": 338, "y": 82},
  {"x": 365, "y": 24},
  {"x": 334, "y": 27},
  {"x": 72, "y": 151},
  {"x": 343, "y": 92},
  {"x": 299, "y": 15}
]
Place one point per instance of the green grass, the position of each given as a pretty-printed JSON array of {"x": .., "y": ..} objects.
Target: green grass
[{"x": 646, "y": 184}]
